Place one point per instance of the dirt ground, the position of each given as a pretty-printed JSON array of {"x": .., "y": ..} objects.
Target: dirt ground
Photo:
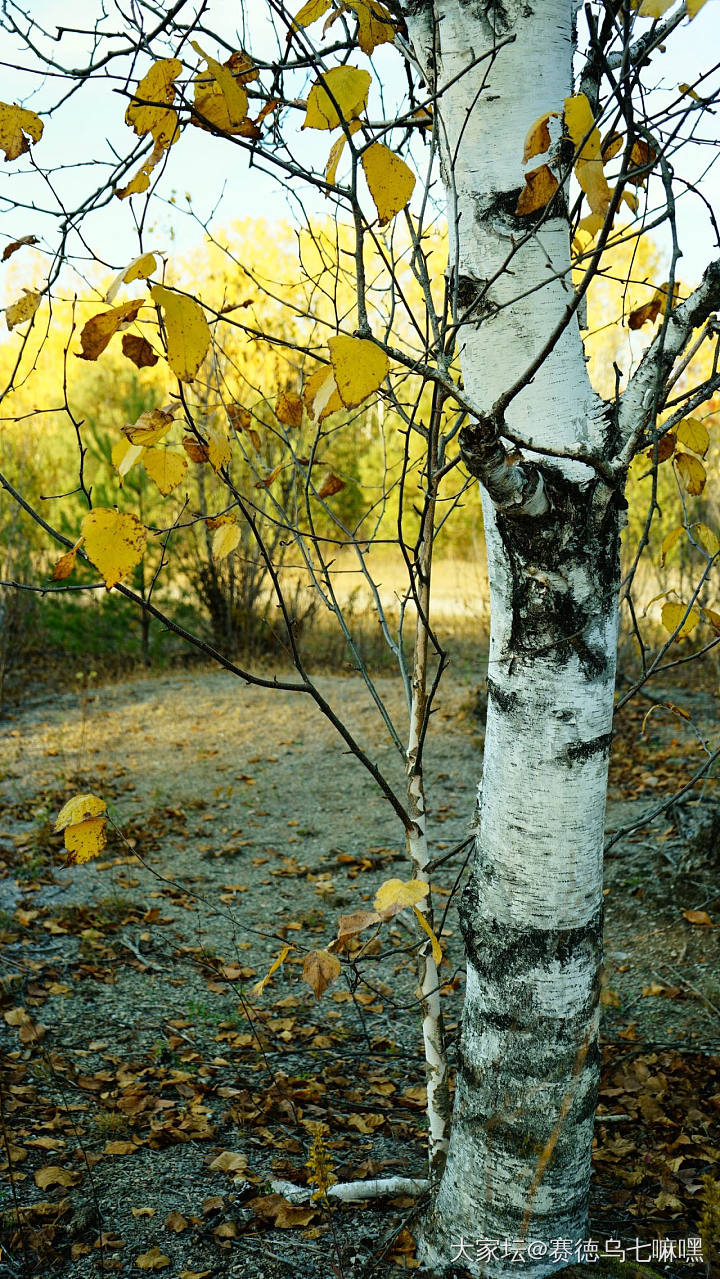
[{"x": 150, "y": 1096}]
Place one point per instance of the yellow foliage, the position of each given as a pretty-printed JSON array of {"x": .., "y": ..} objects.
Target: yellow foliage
[
  {"x": 585, "y": 137},
  {"x": 22, "y": 310},
  {"x": 395, "y": 894},
  {"x": 156, "y": 86}
]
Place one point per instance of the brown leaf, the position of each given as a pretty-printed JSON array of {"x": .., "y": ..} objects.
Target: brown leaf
[
  {"x": 175, "y": 1221},
  {"x": 537, "y": 140},
  {"x": 152, "y": 1260},
  {"x": 54, "y": 1175},
  {"x": 98, "y": 331},
  {"x": 277, "y": 1210},
  {"x": 229, "y": 1161},
  {"x": 540, "y": 186},
  {"x": 320, "y": 969},
  {"x": 351, "y": 925},
  {"x": 196, "y": 451},
  {"x": 666, "y": 448},
  {"x": 330, "y": 484},
  {"x": 698, "y": 917},
  {"x": 139, "y": 350},
  {"x": 18, "y": 244},
  {"x": 641, "y": 157},
  {"x": 65, "y": 565}
]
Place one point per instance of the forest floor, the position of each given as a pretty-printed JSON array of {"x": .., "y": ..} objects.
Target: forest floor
[{"x": 150, "y": 1095}]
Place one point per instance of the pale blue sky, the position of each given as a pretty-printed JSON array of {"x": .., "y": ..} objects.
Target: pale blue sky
[{"x": 91, "y": 124}]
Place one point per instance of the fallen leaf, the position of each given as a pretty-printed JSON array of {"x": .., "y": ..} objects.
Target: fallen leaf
[
  {"x": 229, "y": 1161},
  {"x": 176, "y": 1222},
  {"x": 54, "y": 1175},
  {"x": 277, "y": 1210},
  {"x": 152, "y": 1260},
  {"x": 700, "y": 917}
]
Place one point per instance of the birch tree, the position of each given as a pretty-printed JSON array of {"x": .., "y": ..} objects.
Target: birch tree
[{"x": 548, "y": 151}]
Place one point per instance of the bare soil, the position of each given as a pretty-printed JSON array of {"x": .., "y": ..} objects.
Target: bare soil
[{"x": 150, "y": 1096}]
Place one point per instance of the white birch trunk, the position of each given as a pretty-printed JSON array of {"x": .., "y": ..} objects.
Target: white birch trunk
[{"x": 518, "y": 1166}]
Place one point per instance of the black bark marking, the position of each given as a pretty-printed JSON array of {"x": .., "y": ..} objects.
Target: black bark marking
[
  {"x": 578, "y": 751},
  {"x": 505, "y": 699}
]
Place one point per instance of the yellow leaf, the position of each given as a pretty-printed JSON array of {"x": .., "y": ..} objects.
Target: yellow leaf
[
  {"x": 141, "y": 180},
  {"x": 706, "y": 538},
  {"x": 360, "y": 367},
  {"x": 320, "y": 394},
  {"x": 311, "y": 11},
  {"x": 611, "y": 145},
  {"x": 188, "y": 332},
  {"x": 225, "y": 538},
  {"x": 435, "y": 944},
  {"x": 344, "y": 90},
  {"x": 22, "y": 310},
  {"x": 151, "y": 427},
  {"x": 693, "y": 7},
  {"x": 85, "y": 840},
  {"x": 114, "y": 542},
  {"x": 219, "y": 97},
  {"x": 320, "y": 969},
  {"x": 587, "y": 229},
  {"x": 653, "y": 8},
  {"x": 139, "y": 269},
  {"x": 157, "y": 86},
  {"x": 672, "y": 618},
  {"x": 395, "y": 894},
  {"x": 712, "y": 618},
  {"x": 17, "y": 127},
  {"x": 98, "y": 331},
  {"x": 670, "y": 541},
  {"x": 218, "y": 447},
  {"x": 585, "y": 136},
  {"x": 333, "y": 161},
  {"x": 289, "y": 408},
  {"x": 259, "y": 986},
  {"x": 692, "y": 473},
  {"x": 124, "y": 456},
  {"x": 693, "y": 435},
  {"x": 167, "y": 469},
  {"x": 389, "y": 179},
  {"x": 540, "y": 187},
  {"x": 374, "y": 24},
  {"x": 537, "y": 140},
  {"x": 54, "y": 1175},
  {"x": 152, "y": 1260},
  {"x": 79, "y": 809}
]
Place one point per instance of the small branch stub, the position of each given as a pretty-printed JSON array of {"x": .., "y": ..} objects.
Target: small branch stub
[{"x": 515, "y": 485}]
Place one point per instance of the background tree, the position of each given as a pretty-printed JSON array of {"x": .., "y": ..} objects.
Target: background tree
[{"x": 478, "y": 362}]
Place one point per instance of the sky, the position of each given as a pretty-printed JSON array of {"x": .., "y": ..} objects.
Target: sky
[{"x": 223, "y": 186}]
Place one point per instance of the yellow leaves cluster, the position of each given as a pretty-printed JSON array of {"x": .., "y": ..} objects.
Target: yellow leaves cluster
[
  {"x": 375, "y": 24},
  {"x": 220, "y": 99},
  {"x": 83, "y": 820},
  {"x": 18, "y": 128}
]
